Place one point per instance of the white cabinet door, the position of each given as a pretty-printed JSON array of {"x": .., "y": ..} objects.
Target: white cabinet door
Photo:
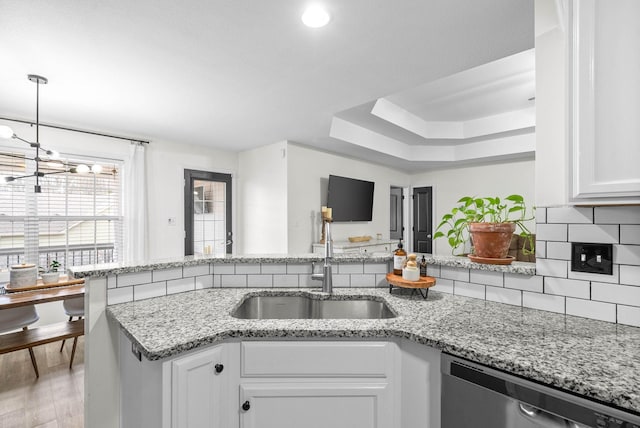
[
  {"x": 606, "y": 100},
  {"x": 198, "y": 394},
  {"x": 316, "y": 405}
]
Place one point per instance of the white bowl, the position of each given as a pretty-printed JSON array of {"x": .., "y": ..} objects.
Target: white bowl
[{"x": 50, "y": 277}]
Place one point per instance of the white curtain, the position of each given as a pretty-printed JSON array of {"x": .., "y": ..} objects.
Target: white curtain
[{"x": 135, "y": 205}]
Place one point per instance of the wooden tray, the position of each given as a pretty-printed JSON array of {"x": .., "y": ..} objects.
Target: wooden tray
[
  {"x": 63, "y": 281},
  {"x": 399, "y": 281},
  {"x": 359, "y": 238}
]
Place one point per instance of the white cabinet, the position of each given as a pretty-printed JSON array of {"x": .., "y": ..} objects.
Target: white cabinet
[
  {"x": 605, "y": 101},
  {"x": 199, "y": 390},
  {"x": 316, "y": 405},
  {"x": 319, "y": 384}
]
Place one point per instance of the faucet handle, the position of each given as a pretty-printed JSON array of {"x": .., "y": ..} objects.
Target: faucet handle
[{"x": 313, "y": 267}]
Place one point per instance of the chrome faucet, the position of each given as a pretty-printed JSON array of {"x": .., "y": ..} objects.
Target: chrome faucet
[{"x": 326, "y": 276}]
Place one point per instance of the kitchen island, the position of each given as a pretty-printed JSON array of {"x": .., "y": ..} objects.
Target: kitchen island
[{"x": 594, "y": 359}]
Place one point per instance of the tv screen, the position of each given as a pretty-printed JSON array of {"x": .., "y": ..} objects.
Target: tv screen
[{"x": 350, "y": 199}]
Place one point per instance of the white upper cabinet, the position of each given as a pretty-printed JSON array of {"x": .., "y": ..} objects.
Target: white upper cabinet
[{"x": 604, "y": 131}]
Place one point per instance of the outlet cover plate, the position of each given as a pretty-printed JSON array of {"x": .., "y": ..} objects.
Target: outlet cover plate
[{"x": 592, "y": 258}]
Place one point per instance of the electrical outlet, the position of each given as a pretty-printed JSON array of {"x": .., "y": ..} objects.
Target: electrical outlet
[{"x": 592, "y": 258}]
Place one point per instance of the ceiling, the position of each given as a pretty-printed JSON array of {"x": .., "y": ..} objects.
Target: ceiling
[{"x": 392, "y": 82}]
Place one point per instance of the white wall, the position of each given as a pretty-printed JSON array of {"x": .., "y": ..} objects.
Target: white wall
[
  {"x": 262, "y": 200},
  {"x": 552, "y": 166},
  {"x": 166, "y": 163},
  {"x": 306, "y": 170},
  {"x": 498, "y": 179}
]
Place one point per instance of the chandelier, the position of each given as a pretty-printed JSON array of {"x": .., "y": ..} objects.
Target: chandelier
[{"x": 47, "y": 155}]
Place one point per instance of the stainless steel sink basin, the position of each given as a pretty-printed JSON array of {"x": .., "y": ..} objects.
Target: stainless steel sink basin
[{"x": 302, "y": 307}]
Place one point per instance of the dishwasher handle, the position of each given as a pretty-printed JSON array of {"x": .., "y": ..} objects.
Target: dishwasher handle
[{"x": 544, "y": 419}]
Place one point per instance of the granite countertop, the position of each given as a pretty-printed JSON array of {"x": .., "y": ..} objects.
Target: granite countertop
[
  {"x": 592, "y": 358},
  {"x": 102, "y": 270}
]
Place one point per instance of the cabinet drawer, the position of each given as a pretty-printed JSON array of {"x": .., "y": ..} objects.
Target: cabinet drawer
[{"x": 317, "y": 359}]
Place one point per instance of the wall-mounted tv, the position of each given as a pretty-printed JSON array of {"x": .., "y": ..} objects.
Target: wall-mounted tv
[{"x": 350, "y": 199}]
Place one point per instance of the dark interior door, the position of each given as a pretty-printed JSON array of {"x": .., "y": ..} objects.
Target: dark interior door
[
  {"x": 396, "y": 226},
  {"x": 422, "y": 219},
  {"x": 207, "y": 213}
]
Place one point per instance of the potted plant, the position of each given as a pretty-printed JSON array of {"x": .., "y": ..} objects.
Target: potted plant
[
  {"x": 52, "y": 275},
  {"x": 490, "y": 223}
]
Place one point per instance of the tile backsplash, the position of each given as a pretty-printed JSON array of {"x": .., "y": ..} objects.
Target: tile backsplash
[{"x": 555, "y": 287}]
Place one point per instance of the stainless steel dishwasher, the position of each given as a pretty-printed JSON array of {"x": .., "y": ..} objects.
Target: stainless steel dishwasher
[{"x": 474, "y": 395}]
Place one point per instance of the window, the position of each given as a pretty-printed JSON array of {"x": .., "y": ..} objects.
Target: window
[{"x": 76, "y": 220}]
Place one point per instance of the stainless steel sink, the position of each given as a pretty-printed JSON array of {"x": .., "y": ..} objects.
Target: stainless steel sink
[{"x": 302, "y": 307}]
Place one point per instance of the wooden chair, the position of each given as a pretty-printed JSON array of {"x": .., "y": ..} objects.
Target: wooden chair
[
  {"x": 73, "y": 308},
  {"x": 19, "y": 318}
]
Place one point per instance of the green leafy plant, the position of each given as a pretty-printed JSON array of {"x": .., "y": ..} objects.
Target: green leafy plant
[
  {"x": 455, "y": 224},
  {"x": 54, "y": 266}
]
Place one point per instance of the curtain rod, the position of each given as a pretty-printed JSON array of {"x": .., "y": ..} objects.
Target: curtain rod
[{"x": 76, "y": 130}]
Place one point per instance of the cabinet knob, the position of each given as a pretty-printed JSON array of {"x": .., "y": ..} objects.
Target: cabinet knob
[
  {"x": 219, "y": 368},
  {"x": 246, "y": 405}
]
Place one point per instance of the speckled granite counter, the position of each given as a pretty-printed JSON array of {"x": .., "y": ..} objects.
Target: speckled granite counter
[
  {"x": 107, "y": 269},
  {"x": 522, "y": 268},
  {"x": 592, "y": 358}
]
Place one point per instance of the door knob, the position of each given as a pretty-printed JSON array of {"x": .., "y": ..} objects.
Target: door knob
[
  {"x": 219, "y": 368},
  {"x": 246, "y": 405}
]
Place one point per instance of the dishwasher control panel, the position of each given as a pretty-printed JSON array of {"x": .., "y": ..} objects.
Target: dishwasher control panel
[{"x": 606, "y": 421}]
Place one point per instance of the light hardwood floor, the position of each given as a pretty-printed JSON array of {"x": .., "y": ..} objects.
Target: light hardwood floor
[{"x": 56, "y": 399}]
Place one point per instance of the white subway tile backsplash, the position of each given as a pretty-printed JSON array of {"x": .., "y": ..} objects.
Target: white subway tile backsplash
[
  {"x": 127, "y": 279},
  {"x": 613, "y": 279},
  {"x": 119, "y": 295},
  {"x": 626, "y": 254},
  {"x": 247, "y": 268},
  {"x": 558, "y": 251},
  {"x": 224, "y": 269},
  {"x": 630, "y": 234},
  {"x": 305, "y": 281},
  {"x": 365, "y": 280},
  {"x": 551, "y": 232},
  {"x": 541, "y": 249},
  {"x": 549, "y": 267},
  {"x": 541, "y": 215},
  {"x": 630, "y": 275},
  {"x": 340, "y": 281},
  {"x": 217, "y": 281},
  {"x": 523, "y": 282},
  {"x": 433, "y": 270},
  {"x": 283, "y": 281},
  {"x": 614, "y": 293},
  {"x": 181, "y": 285},
  {"x": 273, "y": 268},
  {"x": 238, "y": 281},
  {"x": 166, "y": 274},
  {"x": 617, "y": 215},
  {"x": 381, "y": 281},
  {"x": 196, "y": 270},
  {"x": 304, "y": 268},
  {"x": 591, "y": 309},
  {"x": 455, "y": 273},
  {"x": 112, "y": 281},
  {"x": 543, "y": 302},
  {"x": 570, "y": 215},
  {"x": 444, "y": 285},
  {"x": 504, "y": 295},
  {"x": 260, "y": 281},
  {"x": 147, "y": 291},
  {"x": 486, "y": 277},
  {"x": 204, "y": 281},
  {"x": 469, "y": 290},
  {"x": 600, "y": 233},
  {"x": 351, "y": 267},
  {"x": 629, "y": 315},
  {"x": 376, "y": 268},
  {"x": 567, "y": 287}
]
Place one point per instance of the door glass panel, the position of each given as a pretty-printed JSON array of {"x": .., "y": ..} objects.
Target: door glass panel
[{"x": 209, "y": 217}]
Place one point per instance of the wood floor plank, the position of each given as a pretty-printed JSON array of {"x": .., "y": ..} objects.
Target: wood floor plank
[{"x": 56, "y": 399}]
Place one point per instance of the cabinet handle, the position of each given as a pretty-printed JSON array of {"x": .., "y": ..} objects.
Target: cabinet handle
[
  {"x": 219, "y": 368},
  {"x": 246, "y": 405}
]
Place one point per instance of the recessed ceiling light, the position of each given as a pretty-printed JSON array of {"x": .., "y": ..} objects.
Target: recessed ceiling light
[{"x": 315, "y": 16}]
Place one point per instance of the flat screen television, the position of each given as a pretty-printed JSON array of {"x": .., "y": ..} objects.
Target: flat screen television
[{"x": 350, "y": 199}]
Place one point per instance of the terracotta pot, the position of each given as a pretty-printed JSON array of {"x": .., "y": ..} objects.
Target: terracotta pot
[{"x": 491, "y": 240}]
